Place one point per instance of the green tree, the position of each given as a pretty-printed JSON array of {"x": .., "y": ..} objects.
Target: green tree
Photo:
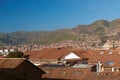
[{"x": 15, "y": 55}]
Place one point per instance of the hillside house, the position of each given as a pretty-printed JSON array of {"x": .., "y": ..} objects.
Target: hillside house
[{"x": 19, "y": 69}]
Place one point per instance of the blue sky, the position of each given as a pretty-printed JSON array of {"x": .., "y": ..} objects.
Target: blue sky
[{"x": 45, "y": 15}]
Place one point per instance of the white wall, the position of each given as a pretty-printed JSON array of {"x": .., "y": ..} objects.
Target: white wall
[{"x": 72, "y": 56}]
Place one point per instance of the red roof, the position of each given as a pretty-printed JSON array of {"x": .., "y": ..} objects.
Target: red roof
[
  {"x": 105, "y": 56},
  {"x": 93, "y": 55},
  {"x": 65, "y": 73},
  {"x": 55, "y": 53},
  {"x": 78, "y": 74}
]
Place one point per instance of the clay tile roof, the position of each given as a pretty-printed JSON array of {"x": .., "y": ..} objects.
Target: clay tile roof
[
  {"x": 54, "y": 53},
  {"x": 102, "y": 76},
  {"x": 65, "y": 73},
  {"x": 10, "y": 62},
  {"x": 104, "y": 57},
  {"x": 78, "y": 74}
]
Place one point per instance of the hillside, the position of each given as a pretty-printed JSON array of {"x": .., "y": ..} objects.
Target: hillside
[
  {"x": 17, "y": 38},
  {"x": 101, "y": 29}
]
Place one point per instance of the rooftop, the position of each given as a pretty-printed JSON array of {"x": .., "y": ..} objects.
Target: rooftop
[{"x": 10, "y": 62}]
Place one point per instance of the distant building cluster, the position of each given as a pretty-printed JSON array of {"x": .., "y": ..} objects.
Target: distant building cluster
[
  {"x": 113, "y": 32},
  {"x": 89, "y": 44},
  {"x": 111, "y": 44}
]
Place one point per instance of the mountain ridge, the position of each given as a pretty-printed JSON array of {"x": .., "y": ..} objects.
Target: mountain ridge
[{"x": 99, "y": 29}]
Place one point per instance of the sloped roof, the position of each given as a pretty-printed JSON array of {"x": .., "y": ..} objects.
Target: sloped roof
[
  {"x": 13, "y": 63},
  {"x": 10, "y": 62},
  {"x": 54, "y": 53},
  {"x": 102, "y": 76},
  {"x": 65, "y": 73},
  {"x": 106, "y": 56},
  {"x": 93, "y": 55},
  {"x": 15, "y": 66},
  {"x": 78, "y": 74}
]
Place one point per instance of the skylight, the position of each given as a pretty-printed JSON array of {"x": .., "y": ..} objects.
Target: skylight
[{"x": 110, "y": 63}]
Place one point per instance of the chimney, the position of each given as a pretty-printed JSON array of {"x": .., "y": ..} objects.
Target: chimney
[
  {"x": 26, "y": 57},
  {"x": 98, "y": 67}
]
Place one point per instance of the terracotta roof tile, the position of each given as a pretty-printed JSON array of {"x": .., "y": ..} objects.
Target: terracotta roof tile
[
  {"x": 54, "y": 53},
  {"x": 10, "y": 62},
  {"x": 65, "y": 73},
  {"x": 79, "y": 74},
  {"x": 104, "y": 57},
  {"x": 93, "y": 55}
]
